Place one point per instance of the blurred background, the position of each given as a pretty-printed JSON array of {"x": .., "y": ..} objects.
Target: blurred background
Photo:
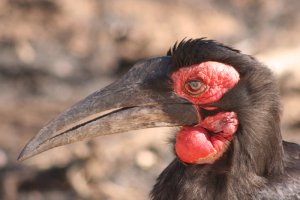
[{"x": 53, "y": 53}]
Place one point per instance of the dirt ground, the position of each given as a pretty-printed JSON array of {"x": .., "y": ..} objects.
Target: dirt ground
[{"x": 53, "y": 53}]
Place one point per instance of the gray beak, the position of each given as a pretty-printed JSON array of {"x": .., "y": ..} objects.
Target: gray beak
[{"x": 142, "y": 98}]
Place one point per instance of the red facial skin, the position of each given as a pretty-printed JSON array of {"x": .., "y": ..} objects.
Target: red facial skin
[
  {"x": 218, "y": 77},
  {"x": 195, "y": 145}
]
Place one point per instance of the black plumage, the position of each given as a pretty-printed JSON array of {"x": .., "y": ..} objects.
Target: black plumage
[{"x": 258, "y": 164}]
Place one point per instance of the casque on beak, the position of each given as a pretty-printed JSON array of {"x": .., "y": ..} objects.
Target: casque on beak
[{"x": 142, "y": 98}]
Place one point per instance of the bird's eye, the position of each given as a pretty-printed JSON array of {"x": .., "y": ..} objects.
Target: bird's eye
[{"x": 194, "y": 87}]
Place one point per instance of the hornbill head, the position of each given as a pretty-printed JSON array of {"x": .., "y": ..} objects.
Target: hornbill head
[{"x": 209, "y": 90}]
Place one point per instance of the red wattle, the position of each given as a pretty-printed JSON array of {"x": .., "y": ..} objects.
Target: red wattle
[{"x": 193, "y": 145}]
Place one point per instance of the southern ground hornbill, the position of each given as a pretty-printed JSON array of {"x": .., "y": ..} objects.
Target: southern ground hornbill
[{"x": 226, "y": 107}]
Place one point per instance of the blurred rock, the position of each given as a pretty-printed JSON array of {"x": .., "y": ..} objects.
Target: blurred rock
[
  {"x": 145, "y": 159},
  {"x": 25, "y": 52},
  {"x": 290, "y": 82},
  {"x": 79, "y": 183},
  {"x": 3, "y": 159}
]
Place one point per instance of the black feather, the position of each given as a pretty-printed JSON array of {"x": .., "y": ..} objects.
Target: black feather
[
  {"x": 257, "y": 165},
  {"x": 193, "y": 51}
]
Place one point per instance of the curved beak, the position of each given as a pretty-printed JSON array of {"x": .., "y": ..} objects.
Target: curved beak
[{"x": 142, "y": 98}]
